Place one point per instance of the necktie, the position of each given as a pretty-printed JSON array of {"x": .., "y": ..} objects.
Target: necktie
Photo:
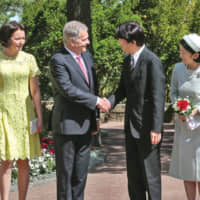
[
  {"x": 82, "y": 68},
  {"x": 132, "y": 62}
]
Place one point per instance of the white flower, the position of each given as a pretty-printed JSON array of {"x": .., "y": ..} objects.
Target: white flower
[
  {"x": 41, "y": 159},
  {"x": 44, "y": 165},
  {"x": 188, "y": 108}
]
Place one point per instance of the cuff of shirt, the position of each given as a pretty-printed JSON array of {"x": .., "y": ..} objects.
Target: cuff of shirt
[{"x": 98, "y": 100}]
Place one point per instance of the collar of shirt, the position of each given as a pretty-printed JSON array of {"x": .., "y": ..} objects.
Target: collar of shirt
[
  {"x": 74, "y": 55},
  {"x": 136, "y": 55}
]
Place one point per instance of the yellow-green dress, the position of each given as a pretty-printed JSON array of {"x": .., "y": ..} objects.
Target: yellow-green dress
[{"x": 16, "y": 108}]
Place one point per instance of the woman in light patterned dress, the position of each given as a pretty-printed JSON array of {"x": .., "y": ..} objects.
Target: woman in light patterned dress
[
  {"x": 185, "y": 162},
  {"x": 18, "y": 72}
]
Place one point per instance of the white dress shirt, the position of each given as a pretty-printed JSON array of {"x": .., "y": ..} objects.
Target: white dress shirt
[{"x": 136, "y": 55}]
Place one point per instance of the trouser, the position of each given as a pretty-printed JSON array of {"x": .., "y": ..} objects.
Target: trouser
[
  {"x": 143, "y": 168},
  {"x": 72, "y": 160}
]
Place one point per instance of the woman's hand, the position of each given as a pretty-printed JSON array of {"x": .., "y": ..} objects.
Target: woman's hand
[
  {"x": 35, "y": 93},
  {"x": 39, "y": 125},
  {"x": 181, "y": 117},
  {"x": 194, "y": 112}
]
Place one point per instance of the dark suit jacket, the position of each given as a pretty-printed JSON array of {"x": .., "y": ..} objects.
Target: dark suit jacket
[
  {"x": 74, "y": 110},
  {"x": 144, "y": 89}
]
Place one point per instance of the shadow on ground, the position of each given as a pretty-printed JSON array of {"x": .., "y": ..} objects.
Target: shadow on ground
[{"x": 113, "y": 149}]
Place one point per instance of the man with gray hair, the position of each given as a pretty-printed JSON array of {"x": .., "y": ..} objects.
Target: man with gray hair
[{"x": 75, "y": 110}]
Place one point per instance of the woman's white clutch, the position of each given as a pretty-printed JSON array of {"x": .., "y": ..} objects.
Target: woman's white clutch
[{"x": 33, "y": 126}]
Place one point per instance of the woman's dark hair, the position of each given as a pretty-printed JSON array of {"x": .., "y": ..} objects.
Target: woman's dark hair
[
  {"x": 7, "y": 30},
  {"x": 188, "y": 48},
  {"x": 130, "y": 31}
]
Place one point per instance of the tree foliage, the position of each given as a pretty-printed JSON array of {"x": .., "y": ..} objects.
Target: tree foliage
[
  {"x": 44, "y": 20},
  {"x": 8, "y": 8},
  {"x": 164, "y": 23},
  {"x": 107, "y": 52}
]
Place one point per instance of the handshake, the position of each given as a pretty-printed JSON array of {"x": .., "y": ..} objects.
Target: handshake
[{"x": 103, "y": 104}]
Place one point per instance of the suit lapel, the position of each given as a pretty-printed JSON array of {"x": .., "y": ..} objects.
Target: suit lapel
[
  {"x": 138, "y": 64},
  {"x": 89, "y": 69},
  {"x": 76, "y": 66}
]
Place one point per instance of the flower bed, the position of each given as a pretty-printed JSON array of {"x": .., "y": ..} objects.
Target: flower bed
[{"x": 45, "y": 164}]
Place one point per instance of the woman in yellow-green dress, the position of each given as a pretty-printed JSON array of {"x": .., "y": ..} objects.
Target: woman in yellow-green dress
[{"x": 18, "y": 73}]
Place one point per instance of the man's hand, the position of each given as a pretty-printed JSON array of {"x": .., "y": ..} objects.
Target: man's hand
[
  {"x": 155, "y": 137},
  {"x": 104, "y": 104}
]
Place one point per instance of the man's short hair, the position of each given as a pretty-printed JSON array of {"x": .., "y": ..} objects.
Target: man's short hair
[
  {"x": 72, "y": 29},
  {"x": 131, "y": 31}
]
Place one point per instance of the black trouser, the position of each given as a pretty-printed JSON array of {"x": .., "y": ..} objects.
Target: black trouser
[
  {"x": 143, "y": 168},
  {"x": 72, "y": 160}
]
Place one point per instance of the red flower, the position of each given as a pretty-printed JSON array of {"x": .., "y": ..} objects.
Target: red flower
[
  {"x": 50, "y": 142},
  {"x": 44, "y": 139},
  {"x": 183, "y": 104},
  {"x": 47, "y": 143},
  {"x": 44, "y": 145},
  {"x": 51, "y": 151}
]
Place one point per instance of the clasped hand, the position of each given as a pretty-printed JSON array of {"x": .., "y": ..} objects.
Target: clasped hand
[
  {"x": 194, "y": 112},
  {"x": 104, "y": 104}
]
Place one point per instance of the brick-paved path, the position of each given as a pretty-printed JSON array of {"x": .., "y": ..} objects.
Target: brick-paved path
[{"x": 108, "y": 181}]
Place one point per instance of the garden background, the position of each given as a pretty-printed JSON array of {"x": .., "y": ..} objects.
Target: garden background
[{"x": 164, "y": 22}]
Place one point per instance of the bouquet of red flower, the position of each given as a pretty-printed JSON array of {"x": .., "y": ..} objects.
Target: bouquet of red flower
[{"x": 185, "y": 107}]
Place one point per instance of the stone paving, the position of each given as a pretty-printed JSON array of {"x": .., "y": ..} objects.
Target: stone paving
[{"x": 107, "y": 181}]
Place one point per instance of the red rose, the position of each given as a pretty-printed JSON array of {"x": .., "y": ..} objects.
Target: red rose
[{"x": 183, "y": 104}]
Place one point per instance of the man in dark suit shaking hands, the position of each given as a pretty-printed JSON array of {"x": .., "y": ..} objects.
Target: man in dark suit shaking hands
[
  {"x": 75, "y": 110},
  {"x": 142, "y": 83}
]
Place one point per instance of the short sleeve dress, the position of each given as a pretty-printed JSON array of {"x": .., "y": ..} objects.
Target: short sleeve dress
[
  {"x": 185, "y": 159},
  {"x": 16, "y": 108}
]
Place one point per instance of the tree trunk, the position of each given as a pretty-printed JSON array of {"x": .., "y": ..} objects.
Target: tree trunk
[{"x": 80, "y": 10}]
